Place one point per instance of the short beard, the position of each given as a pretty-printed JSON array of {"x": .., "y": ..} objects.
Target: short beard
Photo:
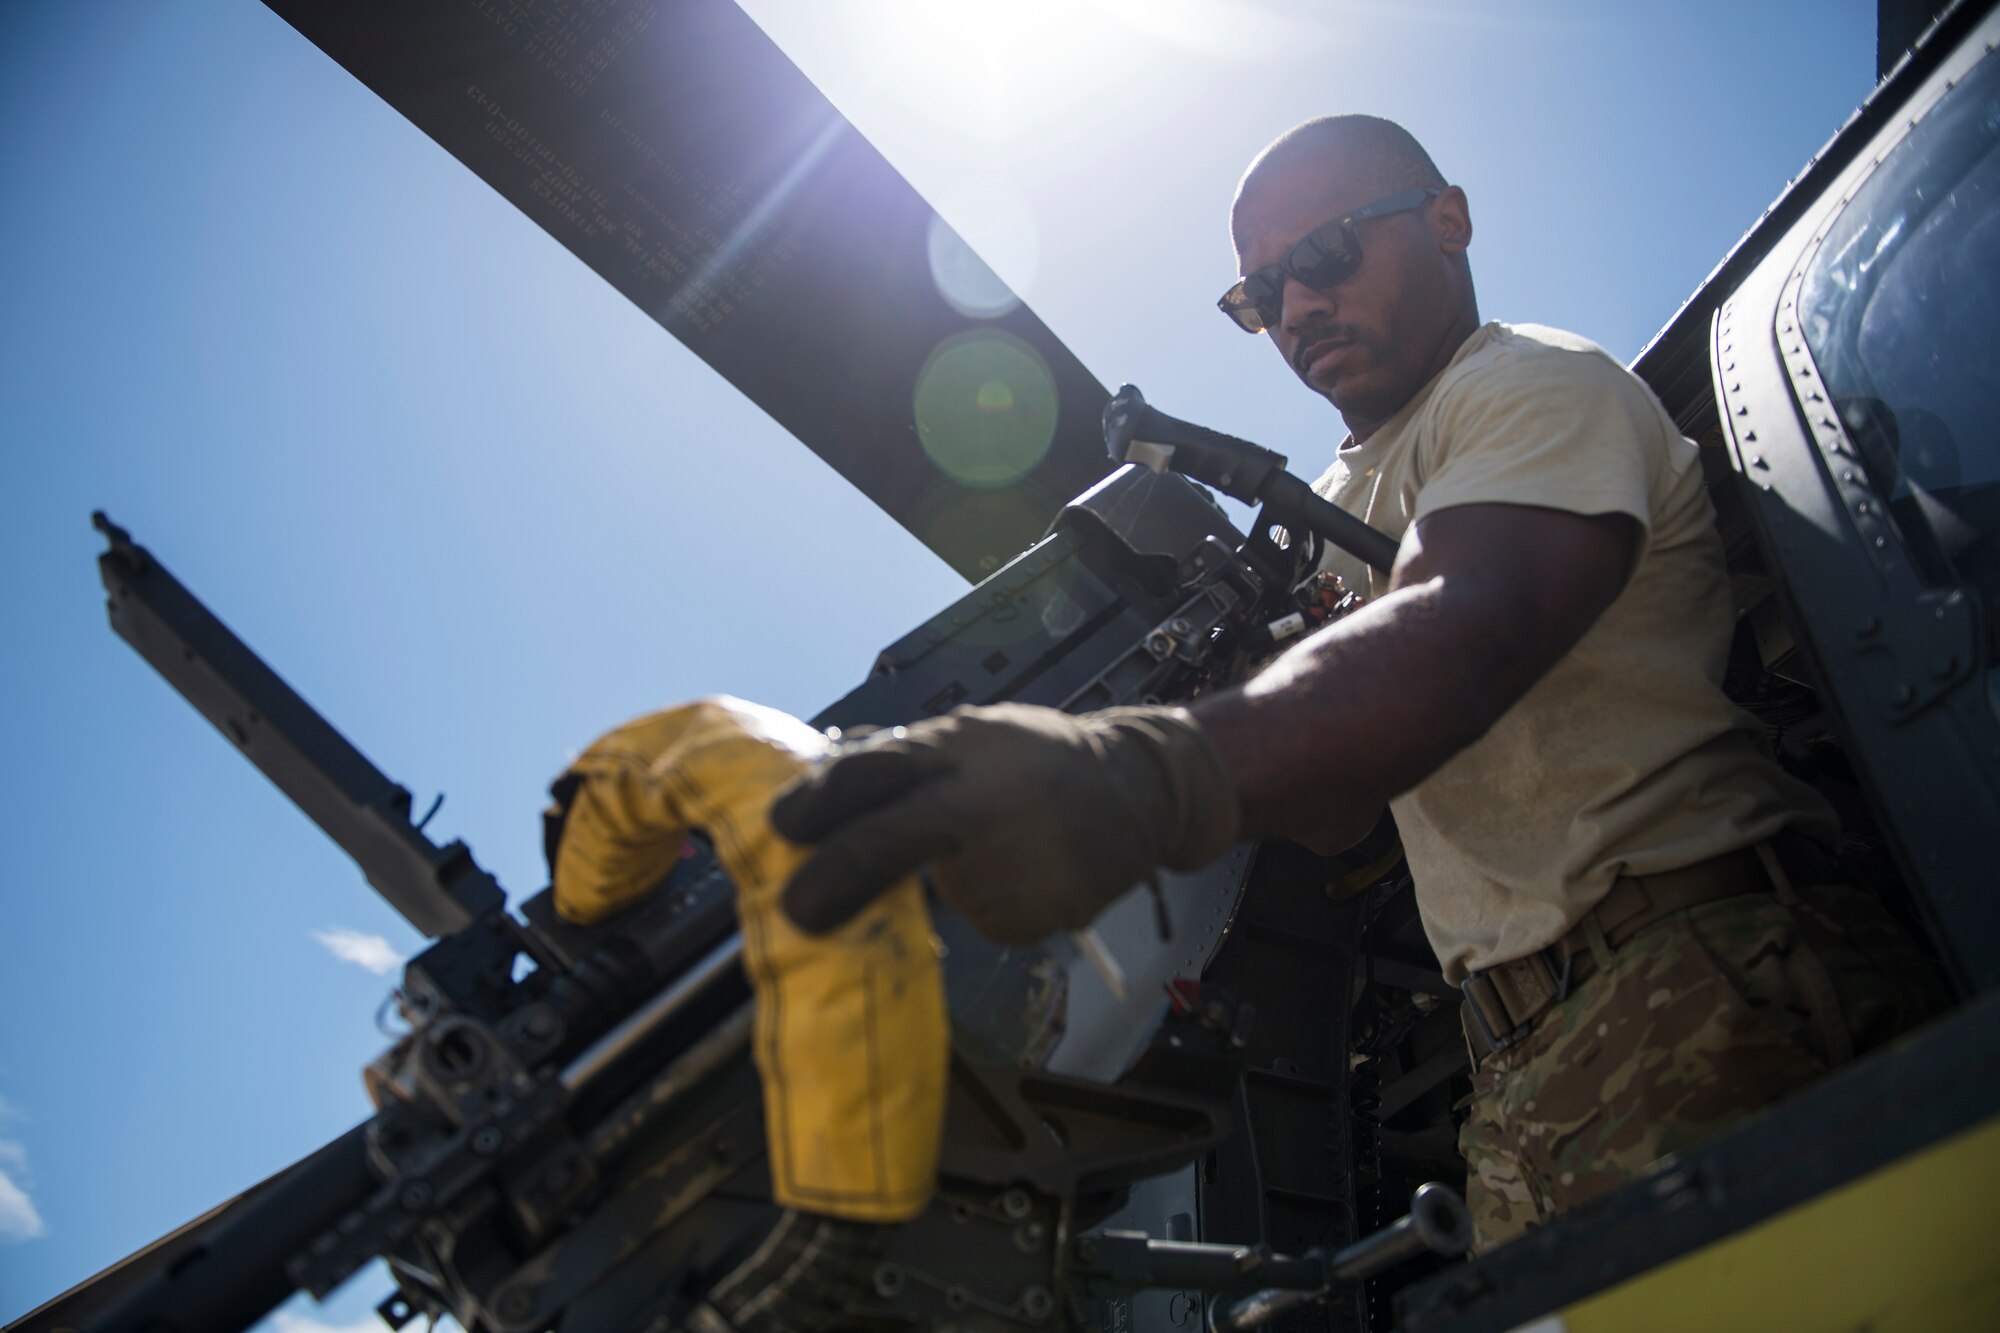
[{"x": 1320, "y": 331}]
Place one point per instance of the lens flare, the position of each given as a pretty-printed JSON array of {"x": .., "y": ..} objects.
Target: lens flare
[
  {"x": 962, "y": 277},
  {"x": 985, "y": 408}
]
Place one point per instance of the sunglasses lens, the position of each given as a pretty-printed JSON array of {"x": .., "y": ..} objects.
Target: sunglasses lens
[
  {"x": 1327, "y": 256},
  {"x": 1243, "y": 305},
  {"x": 1264, "y": 292}
]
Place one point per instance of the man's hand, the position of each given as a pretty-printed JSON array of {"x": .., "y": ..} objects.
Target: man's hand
[{"x": 1032, "y": 820}]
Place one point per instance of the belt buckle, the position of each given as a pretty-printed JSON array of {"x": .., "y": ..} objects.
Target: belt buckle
[
  {"x": 1495, "y": 1042},
  {"x": 1559, "y": 981}
]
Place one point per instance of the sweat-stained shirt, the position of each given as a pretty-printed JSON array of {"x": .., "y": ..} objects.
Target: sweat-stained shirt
[{"x": 1626, "y": 757}]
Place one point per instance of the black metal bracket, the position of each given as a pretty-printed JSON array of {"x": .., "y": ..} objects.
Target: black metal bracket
[{"x": 438, "y": 889}]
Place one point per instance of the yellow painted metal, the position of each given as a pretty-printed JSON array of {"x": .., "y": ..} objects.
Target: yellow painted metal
[{"x": 1911, "y": 1248}]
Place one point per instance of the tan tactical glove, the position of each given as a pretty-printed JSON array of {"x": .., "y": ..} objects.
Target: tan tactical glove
[{"x": 1032, "y": 820}]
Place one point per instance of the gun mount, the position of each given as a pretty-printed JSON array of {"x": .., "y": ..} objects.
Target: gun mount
[{"x": 578, "y": 1143}]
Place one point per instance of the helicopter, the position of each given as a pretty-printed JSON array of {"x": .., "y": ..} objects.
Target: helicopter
[{"x": 1095, "y": 443}]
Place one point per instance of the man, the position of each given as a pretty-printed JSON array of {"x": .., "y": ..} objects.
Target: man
[{"x": 1634, "y": 897}]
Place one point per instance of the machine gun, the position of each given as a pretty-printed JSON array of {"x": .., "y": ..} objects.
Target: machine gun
[{"x": 570, "y": 1134}]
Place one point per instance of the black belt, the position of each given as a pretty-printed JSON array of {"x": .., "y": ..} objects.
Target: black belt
[{"x": 1504, "y": 1000}]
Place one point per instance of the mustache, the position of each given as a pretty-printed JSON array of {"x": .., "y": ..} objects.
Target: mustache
[{"x": 1317, "y": 332}]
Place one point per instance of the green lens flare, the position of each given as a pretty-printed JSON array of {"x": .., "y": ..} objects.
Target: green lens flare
[
  {"x": 985, "y": 408},
  {"x": 994, "y": 396}
]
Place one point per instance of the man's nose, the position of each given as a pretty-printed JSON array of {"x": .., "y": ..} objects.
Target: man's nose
[{"x": 1299, "y": 304}]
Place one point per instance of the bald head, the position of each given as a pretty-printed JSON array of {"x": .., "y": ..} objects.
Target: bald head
[
  {"x": 1373, "y": 156},
  {"x": 1372, "y": 334}
]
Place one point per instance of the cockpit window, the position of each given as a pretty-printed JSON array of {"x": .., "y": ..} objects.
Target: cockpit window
[{"x": 1901, "y": 311}]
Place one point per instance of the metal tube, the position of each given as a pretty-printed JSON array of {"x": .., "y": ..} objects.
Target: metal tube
[
  {"x": 652, "y": 1098},
  {"x": 1379, "y": 1250},
  {"x": 1437, "y": 1223},
  {"x": 1183, "y": 1263},
  {"x": 1371, "y": 546},
  {"x": 1258, "y": 1308},
  {"x": 646, "y": 1019}
]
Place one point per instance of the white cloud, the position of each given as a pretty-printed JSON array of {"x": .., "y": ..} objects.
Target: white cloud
[
  {"x": 18, "y": 1218},
  {"x": 369, "y": 951}
]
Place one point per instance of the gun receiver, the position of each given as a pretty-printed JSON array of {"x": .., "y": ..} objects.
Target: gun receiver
[{"x": 438, "y": 889}]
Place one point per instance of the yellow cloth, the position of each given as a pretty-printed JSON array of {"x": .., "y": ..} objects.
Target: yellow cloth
[
  {"x": 851, "y": 1032},
  {"x": 1626, "y": 756}
]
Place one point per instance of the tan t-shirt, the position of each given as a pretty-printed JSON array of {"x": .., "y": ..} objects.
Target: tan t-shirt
[{"x": 1626, "y": 756}]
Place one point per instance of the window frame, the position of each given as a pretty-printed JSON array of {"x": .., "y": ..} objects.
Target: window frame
[{"x": 1901, "y": 662}]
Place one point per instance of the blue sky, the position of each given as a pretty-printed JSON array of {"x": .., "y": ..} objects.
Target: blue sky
[{"x": 477, "y": 508}]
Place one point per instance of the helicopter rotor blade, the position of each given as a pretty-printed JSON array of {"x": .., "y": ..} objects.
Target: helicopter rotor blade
[{"x": 676, "y": 151}]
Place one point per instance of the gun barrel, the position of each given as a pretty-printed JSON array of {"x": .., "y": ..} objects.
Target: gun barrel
[
  {"x": 234, "y": 1275},
  {"x": 646, "y": 1019},
  {"x": 438, "y": 889}
]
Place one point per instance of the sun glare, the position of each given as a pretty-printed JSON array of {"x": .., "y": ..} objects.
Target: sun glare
[
  {"x": 991, "y": 70},
  {"x": 966, "y": 95},
  {"x": 1004, "y": 70}
]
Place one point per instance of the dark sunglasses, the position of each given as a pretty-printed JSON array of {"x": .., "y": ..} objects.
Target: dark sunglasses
[{"x": 1328, "y": 254}]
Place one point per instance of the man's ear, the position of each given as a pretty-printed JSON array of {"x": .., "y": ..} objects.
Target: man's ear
[{"x": 1452, "y": 218}]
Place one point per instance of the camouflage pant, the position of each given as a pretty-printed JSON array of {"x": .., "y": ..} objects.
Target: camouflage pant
[{"x": 1699, "y": 1018}]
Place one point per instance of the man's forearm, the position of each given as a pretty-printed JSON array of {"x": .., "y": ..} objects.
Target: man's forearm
[{"x": 1362, "y": 711}]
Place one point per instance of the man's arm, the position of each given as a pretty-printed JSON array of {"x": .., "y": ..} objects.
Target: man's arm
[
  {"x": 1033, "y": 820},
  {"x": 1484, "y": 599}
]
